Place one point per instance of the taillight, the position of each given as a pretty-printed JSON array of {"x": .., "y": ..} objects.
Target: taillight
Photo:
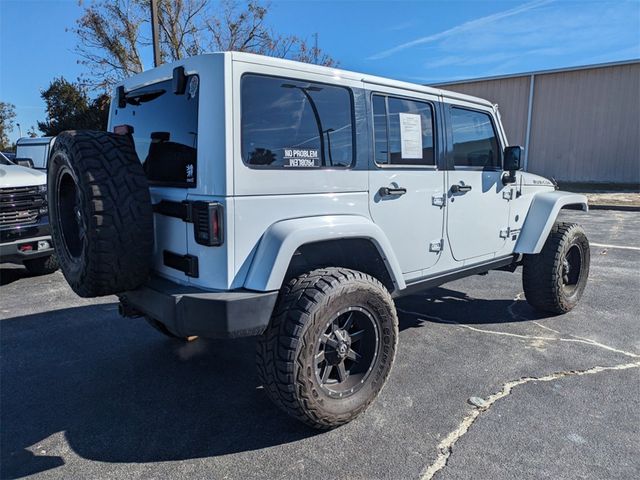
[
  {"x": 208, "y": 223},
  {"x": 215, "y": 224}
]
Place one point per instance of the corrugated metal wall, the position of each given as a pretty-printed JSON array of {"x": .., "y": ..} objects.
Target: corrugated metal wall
[
  {"x": 585, "y": 124},
  {"x": 511, "y": 94}
]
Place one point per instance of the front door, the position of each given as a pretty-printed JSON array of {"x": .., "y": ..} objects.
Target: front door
[
  {"x": 478, "y": 204},
  {"x": 405, "y": 179}
]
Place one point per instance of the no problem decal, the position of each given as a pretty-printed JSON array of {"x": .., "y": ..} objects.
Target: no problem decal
[{"x": 301, "y": 158}]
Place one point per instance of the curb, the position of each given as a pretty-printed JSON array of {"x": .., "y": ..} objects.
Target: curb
[{"x": 620, "y": 208}]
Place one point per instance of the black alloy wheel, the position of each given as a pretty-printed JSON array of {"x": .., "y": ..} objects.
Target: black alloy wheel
[{"x": 346, "y": 352}]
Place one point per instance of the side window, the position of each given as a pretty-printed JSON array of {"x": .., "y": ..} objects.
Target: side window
[
  {"x": 403, "y": 131},
  {"x": 293, "y": 124},
  {"x": 380, "y": 129},
  {"x": 474, "y": 139}
]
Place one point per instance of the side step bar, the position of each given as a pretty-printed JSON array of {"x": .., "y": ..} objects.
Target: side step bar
[{"x": 437, "y": 280}]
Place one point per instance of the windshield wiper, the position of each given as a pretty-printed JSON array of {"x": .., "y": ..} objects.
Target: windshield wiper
[{"x": 138, "y": 98}]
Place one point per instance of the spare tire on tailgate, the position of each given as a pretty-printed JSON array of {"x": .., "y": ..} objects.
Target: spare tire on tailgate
[{"x": 100, "y": 211}]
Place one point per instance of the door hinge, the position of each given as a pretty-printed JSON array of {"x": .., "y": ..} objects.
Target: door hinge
[
  {"x": 439, "y": 200},
  {"x": 508, "y": 194},
  {"x": 509, "y": 232},
  {"x": 436, "y": 245}
]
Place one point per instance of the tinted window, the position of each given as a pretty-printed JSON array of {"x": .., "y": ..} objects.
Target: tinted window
[
  {"x": 292, "y": 124},
  {"x": 380, "y": 129},
  {"x": 403, "y": 131},
  {"x": 165, "y": 131},
  {"x": 474, "y": 140}
]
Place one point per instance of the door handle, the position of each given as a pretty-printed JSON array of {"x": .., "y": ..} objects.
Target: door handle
[
  {"x": 391, "y": 191},
  {"x": 460, "y": 188}
]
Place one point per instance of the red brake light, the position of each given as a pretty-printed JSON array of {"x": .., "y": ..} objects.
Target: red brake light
[
  {"x": 207, "y": 220},
  {"x": 215, "y": 225}
]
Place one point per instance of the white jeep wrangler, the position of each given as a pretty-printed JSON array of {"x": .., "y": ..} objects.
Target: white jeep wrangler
[{"x": 241, "y": 195}]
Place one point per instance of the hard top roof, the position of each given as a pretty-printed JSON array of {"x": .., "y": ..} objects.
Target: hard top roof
[{"x": 164, "y": 71}]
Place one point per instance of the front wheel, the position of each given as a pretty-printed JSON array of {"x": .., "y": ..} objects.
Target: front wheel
[
  {"x": 329, "y": 347},
  {"x": 42, "y": 265},
  {"x": 554, "y": 279}
]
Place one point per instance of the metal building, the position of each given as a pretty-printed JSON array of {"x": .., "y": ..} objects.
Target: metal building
[{"x": 579, "y": 124}]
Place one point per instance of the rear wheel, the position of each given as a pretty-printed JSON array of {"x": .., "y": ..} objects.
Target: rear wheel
[
  {"x": 42, "y": 265},
  {"x": 329, "y": 347},
  {"x": 554, "y": 279}
]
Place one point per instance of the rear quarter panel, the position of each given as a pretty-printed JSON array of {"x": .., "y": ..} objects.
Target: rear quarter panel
[{"x": 263, "y": 197}]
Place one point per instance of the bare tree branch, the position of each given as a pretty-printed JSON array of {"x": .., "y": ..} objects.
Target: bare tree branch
[{"x": 111, "y": 35}]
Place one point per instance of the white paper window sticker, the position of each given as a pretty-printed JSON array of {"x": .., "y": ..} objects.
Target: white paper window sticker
[{"x": 410, "y": 135}]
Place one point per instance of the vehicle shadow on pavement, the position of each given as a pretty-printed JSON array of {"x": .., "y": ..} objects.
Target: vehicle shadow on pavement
[
  {"x": 11, "y": 274},
  {"x": 443, "y": 305},
  {"x": 115, "y": 390},
  {"x": 120, "y": 392}
]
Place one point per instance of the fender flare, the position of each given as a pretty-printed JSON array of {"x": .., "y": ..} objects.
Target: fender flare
[
  {"x": 282, "y": 239},
  {"x": 542, "y": 214}
]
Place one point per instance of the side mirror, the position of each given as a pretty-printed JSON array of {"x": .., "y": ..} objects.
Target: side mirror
[
  {"x": 512, "y": 156},
  {"x": 24, "y": 162}
]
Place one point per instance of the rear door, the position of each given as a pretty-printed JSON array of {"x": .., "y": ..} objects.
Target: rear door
[
  {"x": 405, "y": 184},
  {"x": 478, "y": 202},
  {"x": 164, "y": 127}
]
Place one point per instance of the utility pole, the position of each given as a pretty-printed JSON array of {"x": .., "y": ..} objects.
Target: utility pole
[
  {"x": 315, "y": 48},
  {"x": 155, "y": 33}
]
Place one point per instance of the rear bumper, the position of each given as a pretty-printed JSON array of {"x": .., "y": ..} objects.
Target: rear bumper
[{"x": 188, "y": 311}]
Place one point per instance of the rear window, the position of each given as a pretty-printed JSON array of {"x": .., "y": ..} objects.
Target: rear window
[
  {"x": 37, "y": 153},
  {"x": 292, "y": 124},
  {"x": 165, "y": 131}
]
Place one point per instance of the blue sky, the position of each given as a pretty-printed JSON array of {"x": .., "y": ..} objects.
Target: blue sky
[{"x": 419, "y": 41}]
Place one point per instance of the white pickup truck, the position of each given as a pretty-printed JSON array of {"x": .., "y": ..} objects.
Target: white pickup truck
[{"x": 24, "y": 218}]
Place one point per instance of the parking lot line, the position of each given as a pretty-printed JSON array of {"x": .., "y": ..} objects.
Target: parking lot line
[{"x": 622, "y": 247}]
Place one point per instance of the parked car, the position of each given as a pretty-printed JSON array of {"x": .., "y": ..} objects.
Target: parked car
[
  {"x": 237, "y": 195},
  {"x": 24, "y": 219},
  {"x": 23, "y": 162},
  {"x": 37, "y": 150},
  {"x": 9, "y": 155}
]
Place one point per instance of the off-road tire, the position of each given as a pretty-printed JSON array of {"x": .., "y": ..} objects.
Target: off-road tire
[
  {"x": 42, "y": 265},
  {"x": 542, "y": 275},
  {"x": 285, "y": 352},
  {"x": 101, "y": 213}
]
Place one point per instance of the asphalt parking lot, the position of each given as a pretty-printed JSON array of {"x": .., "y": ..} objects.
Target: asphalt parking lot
[{"x": 87, "y": 394}]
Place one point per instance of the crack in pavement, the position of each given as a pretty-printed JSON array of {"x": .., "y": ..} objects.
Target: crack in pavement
[
  {"x": 574, "y": 339},
  {"x": 545, "y": 327},
  {"x": 445, "y": 448}
]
